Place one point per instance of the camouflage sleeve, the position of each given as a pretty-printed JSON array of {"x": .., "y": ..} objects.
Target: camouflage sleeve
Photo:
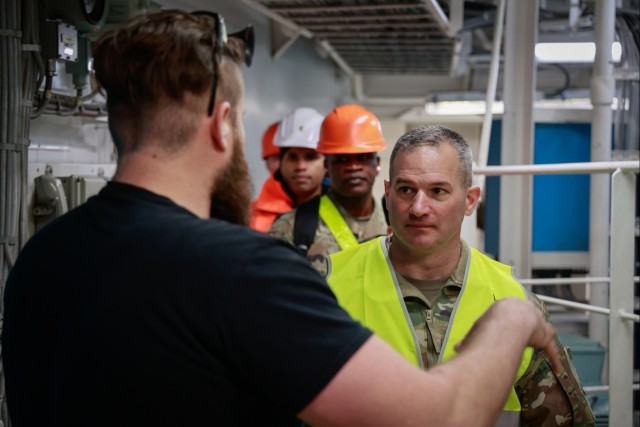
[
  {"x": 282, "y": 228},
  {"x": 551, "y": 399}
]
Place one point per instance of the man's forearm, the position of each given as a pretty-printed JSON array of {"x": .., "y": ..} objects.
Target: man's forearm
[{"x": 376, "y": 387}]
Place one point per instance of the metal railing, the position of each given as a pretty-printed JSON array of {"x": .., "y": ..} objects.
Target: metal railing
[{"x": 621, "y": 264}]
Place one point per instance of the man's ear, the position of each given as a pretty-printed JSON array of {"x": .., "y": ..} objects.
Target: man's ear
[
  {"x": 387, "y": 189},
  {"x": 220, "y": 126},
  {"x": 473, "y": 196},
  {"x": 378, "y": 165}
]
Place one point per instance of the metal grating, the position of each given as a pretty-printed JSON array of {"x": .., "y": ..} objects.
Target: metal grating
[{"x": 374, "y": 36}]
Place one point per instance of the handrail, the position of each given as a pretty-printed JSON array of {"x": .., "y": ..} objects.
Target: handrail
[
  {"x": 587, "y": 307},
  {"x": 594, "y": 388},
  {"x": 559, "y": 168},
  {"x": 569, "y": 280},
  {"x": 620, "y": 335}
]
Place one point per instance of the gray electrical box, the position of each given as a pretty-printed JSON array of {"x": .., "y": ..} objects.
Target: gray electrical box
[
  {"x": 79, "y": 188},
  {"x": 59, "y": 41}
]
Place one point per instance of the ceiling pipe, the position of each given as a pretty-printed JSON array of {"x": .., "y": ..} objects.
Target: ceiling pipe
[
  {"x": 308, "y": 10},
  {"x": 408, "y": 17},
  {"x": 492, "y": 84},
  {"x": 448, "y": 26}
]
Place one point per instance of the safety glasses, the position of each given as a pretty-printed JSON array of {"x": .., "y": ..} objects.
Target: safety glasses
[{"x": 248, "y": 38}]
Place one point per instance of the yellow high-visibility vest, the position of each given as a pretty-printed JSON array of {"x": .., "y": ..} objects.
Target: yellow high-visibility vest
[
  {"x": 365, "y": 285},
  {"x": 336, "y": 223}
]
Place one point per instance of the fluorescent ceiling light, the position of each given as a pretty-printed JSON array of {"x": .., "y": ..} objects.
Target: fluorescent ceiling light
[
  {"x": 473, "y": 108},
  {"x": 572, "y": 52},
  {"x": 456, "y": 108}
]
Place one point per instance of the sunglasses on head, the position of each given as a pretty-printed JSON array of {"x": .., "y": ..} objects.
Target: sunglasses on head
[{"x": 248, "y": 38}]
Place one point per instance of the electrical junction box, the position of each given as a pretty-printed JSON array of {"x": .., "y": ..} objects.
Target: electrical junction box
[
  {"x": 79, "y": 188},
  {"x": 59, "y": 41}
]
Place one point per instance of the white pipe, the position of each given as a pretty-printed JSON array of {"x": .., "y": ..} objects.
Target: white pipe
[
  {"x": 494, "y": 68},
  {"x": 438, "y": 15},
  {"x": 592, "y": 308},
  {"x": 602, "y": 84},
  {"x": 573, "y": 304},
  {"x": 574, "y": 14},
  {"x": 623, "y": 192},
  {"x": 630, "y": 316},
  {"x": 456, "y": 16},
  {"x": 516, "y": 199},
  {"x": 560, "y": 168},
  {"x": 594, "y": 388},
  {"x": 570, "y": 280},
  {"x": 337, "y": 9}
]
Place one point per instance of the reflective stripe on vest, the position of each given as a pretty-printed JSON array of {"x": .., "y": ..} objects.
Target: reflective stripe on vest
[
  {"x": 360, "y": 279},
  {"x": 336, "y": 223},
  {"x": 485, "y": 281}
]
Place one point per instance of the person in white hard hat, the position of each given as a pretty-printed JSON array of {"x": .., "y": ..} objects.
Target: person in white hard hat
[{"x": 302, "y": 170}]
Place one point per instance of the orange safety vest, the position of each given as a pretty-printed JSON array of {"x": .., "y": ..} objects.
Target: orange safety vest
[{"x": 272, "y": 202}]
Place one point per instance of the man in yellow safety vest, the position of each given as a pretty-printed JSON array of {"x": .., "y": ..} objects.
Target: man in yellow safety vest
[
  {"x": 350, "y": 139},
  {"x": 422, "y": 288}
]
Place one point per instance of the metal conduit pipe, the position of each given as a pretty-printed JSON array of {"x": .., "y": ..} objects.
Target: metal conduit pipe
[
  {"x": 594, "y": 388},
  {"x": 516, "y": 200},
  {"x": 560, "y": 168},
  {"x": 570, "y": 280},
  {"x": 439, "y": 16},
  {"x": 305, "y": 10},
  {"x": 622, "y": 314},
  {"x": 602, "y": 85},
  {"x": 494, "y": 68},
  {"x": 621, "y": 297}
]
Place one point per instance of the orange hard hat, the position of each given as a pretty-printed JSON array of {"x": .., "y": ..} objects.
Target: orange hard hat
[
  {"x": 350, "y": 129},
  {"x": 268, "y": 149}
]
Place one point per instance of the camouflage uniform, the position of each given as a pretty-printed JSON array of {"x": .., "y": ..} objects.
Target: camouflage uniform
[
  {"x": 324, "y": 243},
  {"x": 547, "y": 399}
]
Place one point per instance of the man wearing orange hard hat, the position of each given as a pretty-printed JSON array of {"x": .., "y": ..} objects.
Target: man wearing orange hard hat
[
  {"x": 270, "y": 153},
  {"x": 350, "y": 139}
]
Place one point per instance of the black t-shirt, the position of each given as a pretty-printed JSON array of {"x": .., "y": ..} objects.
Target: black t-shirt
[{"x": 131, "y": 311}]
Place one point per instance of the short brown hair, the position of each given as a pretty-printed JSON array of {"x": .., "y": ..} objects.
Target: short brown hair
[
  {"x": 436, "y": 136},
  {"x": 158, "y": 61}
]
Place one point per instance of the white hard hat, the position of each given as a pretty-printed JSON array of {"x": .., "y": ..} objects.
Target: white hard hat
[{"x": 299, "y": 128}]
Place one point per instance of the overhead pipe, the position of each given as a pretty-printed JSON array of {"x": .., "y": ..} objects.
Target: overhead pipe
[
  {"x": 409, "y": 17},
  {"x": 492, "y": 84},
  {"x": 440, "y": 17},
  {"x": 334, "y": 9}
]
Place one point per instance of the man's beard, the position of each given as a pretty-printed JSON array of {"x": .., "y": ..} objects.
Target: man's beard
[{"x": 231, "y": 198}]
